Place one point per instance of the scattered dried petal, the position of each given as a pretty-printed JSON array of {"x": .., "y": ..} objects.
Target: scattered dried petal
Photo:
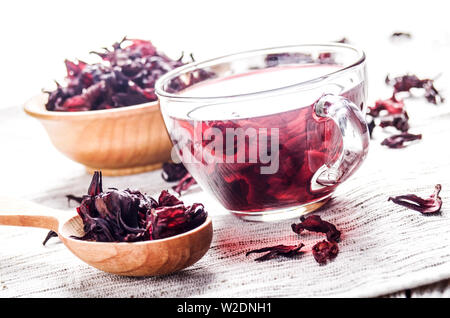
[
  {"x": 391, "y": 105},
  {"x": 406, "y": 82},
  {"x": 398, "y": 121},
  {"x": 314, "y": 223},
  {"x": 324, "y": 251},
  {"x": 277, "y": 250},
  {"x": 430, "y": 205},
  {"x": 397, "y": 141}
]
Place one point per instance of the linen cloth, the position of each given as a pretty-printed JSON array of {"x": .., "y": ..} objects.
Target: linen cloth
[{"x": 384, "y": 247}]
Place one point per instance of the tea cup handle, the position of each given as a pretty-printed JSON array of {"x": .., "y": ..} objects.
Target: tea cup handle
[{"x": 355, "y": 137}]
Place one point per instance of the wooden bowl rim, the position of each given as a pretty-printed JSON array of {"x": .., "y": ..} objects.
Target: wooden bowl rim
[
  {"x": 35, "y": 107},
  {"x": 202, "y": 227}
]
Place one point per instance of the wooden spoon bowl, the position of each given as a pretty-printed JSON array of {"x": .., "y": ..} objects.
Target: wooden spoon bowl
[{"x": 146, "y": 258}]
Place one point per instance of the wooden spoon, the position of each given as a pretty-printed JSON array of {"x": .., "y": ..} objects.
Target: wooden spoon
[{"x": 146, "y": 258}]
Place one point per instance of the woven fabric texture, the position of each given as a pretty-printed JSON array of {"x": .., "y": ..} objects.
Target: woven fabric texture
[{"x": 384, "y": 248}]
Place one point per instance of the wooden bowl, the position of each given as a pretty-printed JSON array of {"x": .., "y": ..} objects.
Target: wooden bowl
[{"x": 116, "y": 141}]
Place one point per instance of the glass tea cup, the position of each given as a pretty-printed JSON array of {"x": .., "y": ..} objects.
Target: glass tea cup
[{"x": 269, "y": 133}]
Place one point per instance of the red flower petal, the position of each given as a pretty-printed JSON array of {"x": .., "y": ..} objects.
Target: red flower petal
[
  {"x": 277, "y": 250},
  {"x": 432, "y": 204}
]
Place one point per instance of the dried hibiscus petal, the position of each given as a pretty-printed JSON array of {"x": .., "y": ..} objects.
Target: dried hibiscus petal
[
  {"x": 96, "y": 186},
  {"x": 184, "y": 184},
  {"x": 173, "y": 171},
  {"x": 398, "y": 121},
  {"x": 314, "y": 223},
  {"x": 177, "y": 172},
  {"x": 173, "y": 220},
  {"x": 406, "y": 82},
  {"x": 50, "y": 234},
  {"x": 277, "y": 250},
  {"x": 71, "y": 197},
  {"x": 166, "y": 199},
  {"x": 324, "y": 251},
  {"x": 391, "y": 105},
  {"x": 432, "y": 204},
  {"x": 398, "y": 141}
]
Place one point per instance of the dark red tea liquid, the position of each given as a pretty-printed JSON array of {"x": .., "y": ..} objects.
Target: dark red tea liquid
[{"x": 306, "y": 143}]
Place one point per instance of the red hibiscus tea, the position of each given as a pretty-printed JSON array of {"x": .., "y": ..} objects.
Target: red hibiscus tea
[{"x": 261, "y": 154}]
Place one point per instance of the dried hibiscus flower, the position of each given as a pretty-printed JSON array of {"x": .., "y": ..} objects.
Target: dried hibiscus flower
[
  {"x": 129, "y": 215},
  {"x": 314, "y": 223},
  {"x": 398, "y": 141},
  {"x": 126, "y": 76},
  {"x": 277, "y": 250},
  {"x": 430, "y": 205},
  {"x": 324, "y": 251},
  {"x": 406, "y": 82}
]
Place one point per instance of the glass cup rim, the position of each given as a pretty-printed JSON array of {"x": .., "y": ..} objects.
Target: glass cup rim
[{"x": 214, "y": 61}]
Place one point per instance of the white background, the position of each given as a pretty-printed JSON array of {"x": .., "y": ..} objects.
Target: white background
[{"x": 36, "y": 36}]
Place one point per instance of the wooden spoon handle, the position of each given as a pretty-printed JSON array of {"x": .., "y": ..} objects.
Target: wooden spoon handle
[{"x": 23, "y": 213}]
